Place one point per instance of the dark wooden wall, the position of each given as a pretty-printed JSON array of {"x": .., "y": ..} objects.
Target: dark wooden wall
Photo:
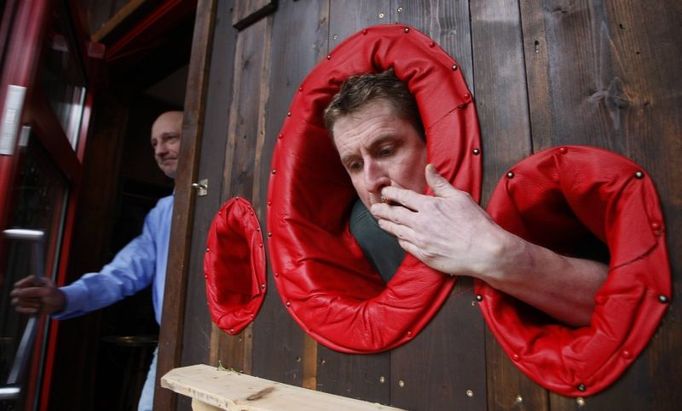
[{"x": 543, "y": 73}]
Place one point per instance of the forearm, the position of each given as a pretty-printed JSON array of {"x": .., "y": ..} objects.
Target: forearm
[{"x": 563, "y": 287}]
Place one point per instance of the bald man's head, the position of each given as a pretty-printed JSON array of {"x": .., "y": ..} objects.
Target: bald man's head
[{"x": 166, "y": 134}]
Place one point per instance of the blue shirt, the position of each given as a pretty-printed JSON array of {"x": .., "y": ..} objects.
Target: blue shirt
[{"x": 140, "y": 263}]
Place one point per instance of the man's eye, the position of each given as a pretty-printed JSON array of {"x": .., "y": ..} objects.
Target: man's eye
[
  {"x": 354, "y": 166},
  {"x": 385, "y": 151}
]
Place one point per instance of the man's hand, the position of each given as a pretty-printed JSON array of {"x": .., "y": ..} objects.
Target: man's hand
[
  {"x": 33, "y": 295},
  {"x": 451, "y": 233},
  {"x": 448, "y": 231}
]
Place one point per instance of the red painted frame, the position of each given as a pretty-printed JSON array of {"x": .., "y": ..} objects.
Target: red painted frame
[{"x": 24, "y": 47}]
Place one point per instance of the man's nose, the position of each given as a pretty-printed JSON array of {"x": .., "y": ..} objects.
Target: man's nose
[
  {"x": 376, "y": 177},
  {"x": 160, "y": 149}
]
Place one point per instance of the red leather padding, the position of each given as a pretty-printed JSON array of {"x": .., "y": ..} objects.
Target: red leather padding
[
  {"x": 555, "y": 199},
  {"x": 234, "y": 266},
  {"x": 327, "y": 285}
]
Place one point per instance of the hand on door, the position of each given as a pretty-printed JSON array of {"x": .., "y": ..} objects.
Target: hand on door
[{"x": 33, "y": 295}]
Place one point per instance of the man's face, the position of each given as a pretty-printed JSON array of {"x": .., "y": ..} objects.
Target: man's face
[
  {"x": 166, "y": 141},
  {"x": 379, "y": 149}
]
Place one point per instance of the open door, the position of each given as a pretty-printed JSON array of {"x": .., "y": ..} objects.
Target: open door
[{"x": 44, "y": 106}]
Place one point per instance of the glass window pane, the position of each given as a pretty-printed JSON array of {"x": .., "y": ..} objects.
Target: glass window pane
[
  {"x": 39, "y": 198},
  {"x": 62, "y": 75}
]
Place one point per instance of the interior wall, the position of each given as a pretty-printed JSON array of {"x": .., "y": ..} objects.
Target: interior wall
[{"x": 543, "y": 74}]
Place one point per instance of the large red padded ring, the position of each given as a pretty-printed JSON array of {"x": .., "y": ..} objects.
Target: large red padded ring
[
  {"x": 234, "y": 266},
  {"x": 555, "y": 198},
  {"x": 327, "y": 285}
]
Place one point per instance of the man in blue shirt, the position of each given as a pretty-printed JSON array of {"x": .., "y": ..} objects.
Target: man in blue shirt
[{"x": 138, "y": 265}]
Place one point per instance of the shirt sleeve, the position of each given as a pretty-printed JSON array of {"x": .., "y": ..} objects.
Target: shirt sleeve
[{"x": 131, "y": 270}]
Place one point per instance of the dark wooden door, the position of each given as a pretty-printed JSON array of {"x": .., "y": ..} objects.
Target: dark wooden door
[{"x": 544, "y": 73}]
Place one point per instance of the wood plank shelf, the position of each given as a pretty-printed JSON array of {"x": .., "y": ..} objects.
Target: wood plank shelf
[{"x": 219, "y": 389}]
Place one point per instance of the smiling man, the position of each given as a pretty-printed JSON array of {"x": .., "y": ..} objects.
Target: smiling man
[
  {"x": 166, "y": 141},
  {"x": 141, "y": 263},
  {"x": 376, "y": 128}
]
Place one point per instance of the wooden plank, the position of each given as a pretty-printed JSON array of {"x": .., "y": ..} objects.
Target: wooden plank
[
  {"x": 247, "y": 12},
  {"x": 183, "y": 290},
  {"x": 444, "y": 366},
  {"x": 447, "y": 22},
  {"x": 230, "y": 390},
  {"x": 347, "y": 17},
  {"x": 502, "y": 104},
  {"x": 245, "y": 135},
  {"x": 211, "y": 165},
  {"x": 365, "y": 377},
  {"x": 243, "y": 131},
  {"x": 291, "y": 358},
  {"x": 608, "y": 76},
  {"x": 422, "y": 372}
]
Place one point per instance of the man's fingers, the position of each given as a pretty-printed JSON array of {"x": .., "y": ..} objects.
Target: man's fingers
[
  {"x": 27, "y": 281},
  {"x": 29, "y": 293},
  {"x": 404, "y": 197},
  {"x": 396, "y": 214},
  {"x": 400, "y": 231},
  {"x": 440, "y": 186}
]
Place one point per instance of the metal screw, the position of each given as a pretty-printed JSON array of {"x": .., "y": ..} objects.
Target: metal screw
[
  {"x": 639, "y": 175},
  {"x": 401, "y": 383},
  {"x": 470, "y": 393},
  {"x": 381, "y": 15}
]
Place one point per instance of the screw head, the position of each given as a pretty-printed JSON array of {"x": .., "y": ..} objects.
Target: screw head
[
  {"x": 639, "y": 175},
  {"x": 510, "y": 174}
]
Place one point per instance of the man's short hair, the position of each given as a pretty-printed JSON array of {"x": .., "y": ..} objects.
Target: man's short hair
[{"x": 360, "y": 90}]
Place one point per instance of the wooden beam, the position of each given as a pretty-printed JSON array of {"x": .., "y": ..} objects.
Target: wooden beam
[
  {"x": 230, "y": 390},
  {"x": 121, "y": 15}
]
